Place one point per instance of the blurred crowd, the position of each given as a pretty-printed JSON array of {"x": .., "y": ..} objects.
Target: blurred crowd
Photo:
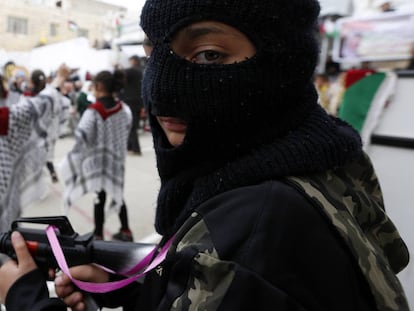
[
  {"x": 37, "y": 109},
  {"x": 16, "y": 81}
]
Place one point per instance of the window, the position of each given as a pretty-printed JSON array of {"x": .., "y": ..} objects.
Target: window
[
  {"x": 54, "y": 30},
  {"x": 17, "y": 25}
]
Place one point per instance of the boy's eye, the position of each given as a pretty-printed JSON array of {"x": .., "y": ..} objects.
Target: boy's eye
[{"x": 207, "y": 57}]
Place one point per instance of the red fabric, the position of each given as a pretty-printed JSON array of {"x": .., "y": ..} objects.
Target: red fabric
[
  {"x": 105, "y": 113},
  {"x": 28, "y": 93},
  {"x": 4, "y": 120},
  {"x": 354, "y": 75},
  {"x": 88, "y": 76}
]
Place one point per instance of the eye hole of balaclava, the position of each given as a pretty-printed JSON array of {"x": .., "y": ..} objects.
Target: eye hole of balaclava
[{"x": 212, "y": 42}]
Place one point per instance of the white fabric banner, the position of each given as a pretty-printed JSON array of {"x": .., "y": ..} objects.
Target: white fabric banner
[{"x": 380, "y": 37}]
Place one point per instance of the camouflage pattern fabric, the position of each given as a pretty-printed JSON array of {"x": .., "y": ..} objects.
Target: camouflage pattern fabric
[
  {"x": 351, "y": 199},
  {"x": 214, "y": 276}
]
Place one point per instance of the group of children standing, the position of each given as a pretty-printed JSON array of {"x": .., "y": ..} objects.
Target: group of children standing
[{"x": 29, "y": 128}]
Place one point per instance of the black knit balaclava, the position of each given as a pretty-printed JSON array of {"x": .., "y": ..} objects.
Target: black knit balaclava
[{"x": 235, "y": 110}]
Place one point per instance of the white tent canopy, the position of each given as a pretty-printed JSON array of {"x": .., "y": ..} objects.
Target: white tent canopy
[
  {"x": 75, "y": 53},
  {"x": 339, "y": 7}
]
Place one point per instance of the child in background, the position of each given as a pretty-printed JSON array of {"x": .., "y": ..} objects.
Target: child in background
[
  {"x": 97, "y": 161},
  {"x": 36, "y": 84}
]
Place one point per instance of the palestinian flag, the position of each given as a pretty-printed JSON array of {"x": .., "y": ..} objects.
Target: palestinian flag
[{"x": 366, "y": 94}]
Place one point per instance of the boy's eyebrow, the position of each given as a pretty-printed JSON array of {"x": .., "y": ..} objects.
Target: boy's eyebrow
[{"x": 194, "y": 32}]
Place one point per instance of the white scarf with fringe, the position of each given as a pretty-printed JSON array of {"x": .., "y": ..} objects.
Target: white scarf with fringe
[
  {"x": 23, "y": 154},
  {"x": 97, "y": 160}
]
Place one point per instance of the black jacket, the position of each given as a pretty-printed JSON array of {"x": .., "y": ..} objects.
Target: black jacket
[{"x": 259, "y": 247}]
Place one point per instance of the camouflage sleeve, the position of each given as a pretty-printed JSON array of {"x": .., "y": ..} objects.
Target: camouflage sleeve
[
  {"x": 351, "y": 199},
  {"x": 216, "y": 284}
]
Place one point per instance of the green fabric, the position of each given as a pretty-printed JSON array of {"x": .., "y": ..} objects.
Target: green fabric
[
  {"x": 82, "y": 102},
  {"x": 358, "y": 98}
]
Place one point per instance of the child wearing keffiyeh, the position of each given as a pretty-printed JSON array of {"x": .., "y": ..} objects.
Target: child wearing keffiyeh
[
  {"x": 24, "y": 130},
  {"x": 97, "y": 161}
]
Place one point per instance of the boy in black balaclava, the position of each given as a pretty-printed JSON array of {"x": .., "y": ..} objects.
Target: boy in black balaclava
[{"x": 270, "y": 202}]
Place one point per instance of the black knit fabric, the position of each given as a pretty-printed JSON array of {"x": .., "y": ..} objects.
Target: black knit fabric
[{"x": 248, "y": 121}]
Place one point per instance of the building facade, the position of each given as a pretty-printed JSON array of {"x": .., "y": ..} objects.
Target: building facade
[{"x": 26, "y": 24}]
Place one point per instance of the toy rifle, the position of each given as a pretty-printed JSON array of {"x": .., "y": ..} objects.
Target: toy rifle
[{"x": 78, "y": 250}]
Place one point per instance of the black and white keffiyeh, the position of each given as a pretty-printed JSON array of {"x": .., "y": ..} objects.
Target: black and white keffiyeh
[
  {"x": 23, "y": 153},
  {"x": 11, "y": 154},
  {"x": 97, "y": 160}
]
